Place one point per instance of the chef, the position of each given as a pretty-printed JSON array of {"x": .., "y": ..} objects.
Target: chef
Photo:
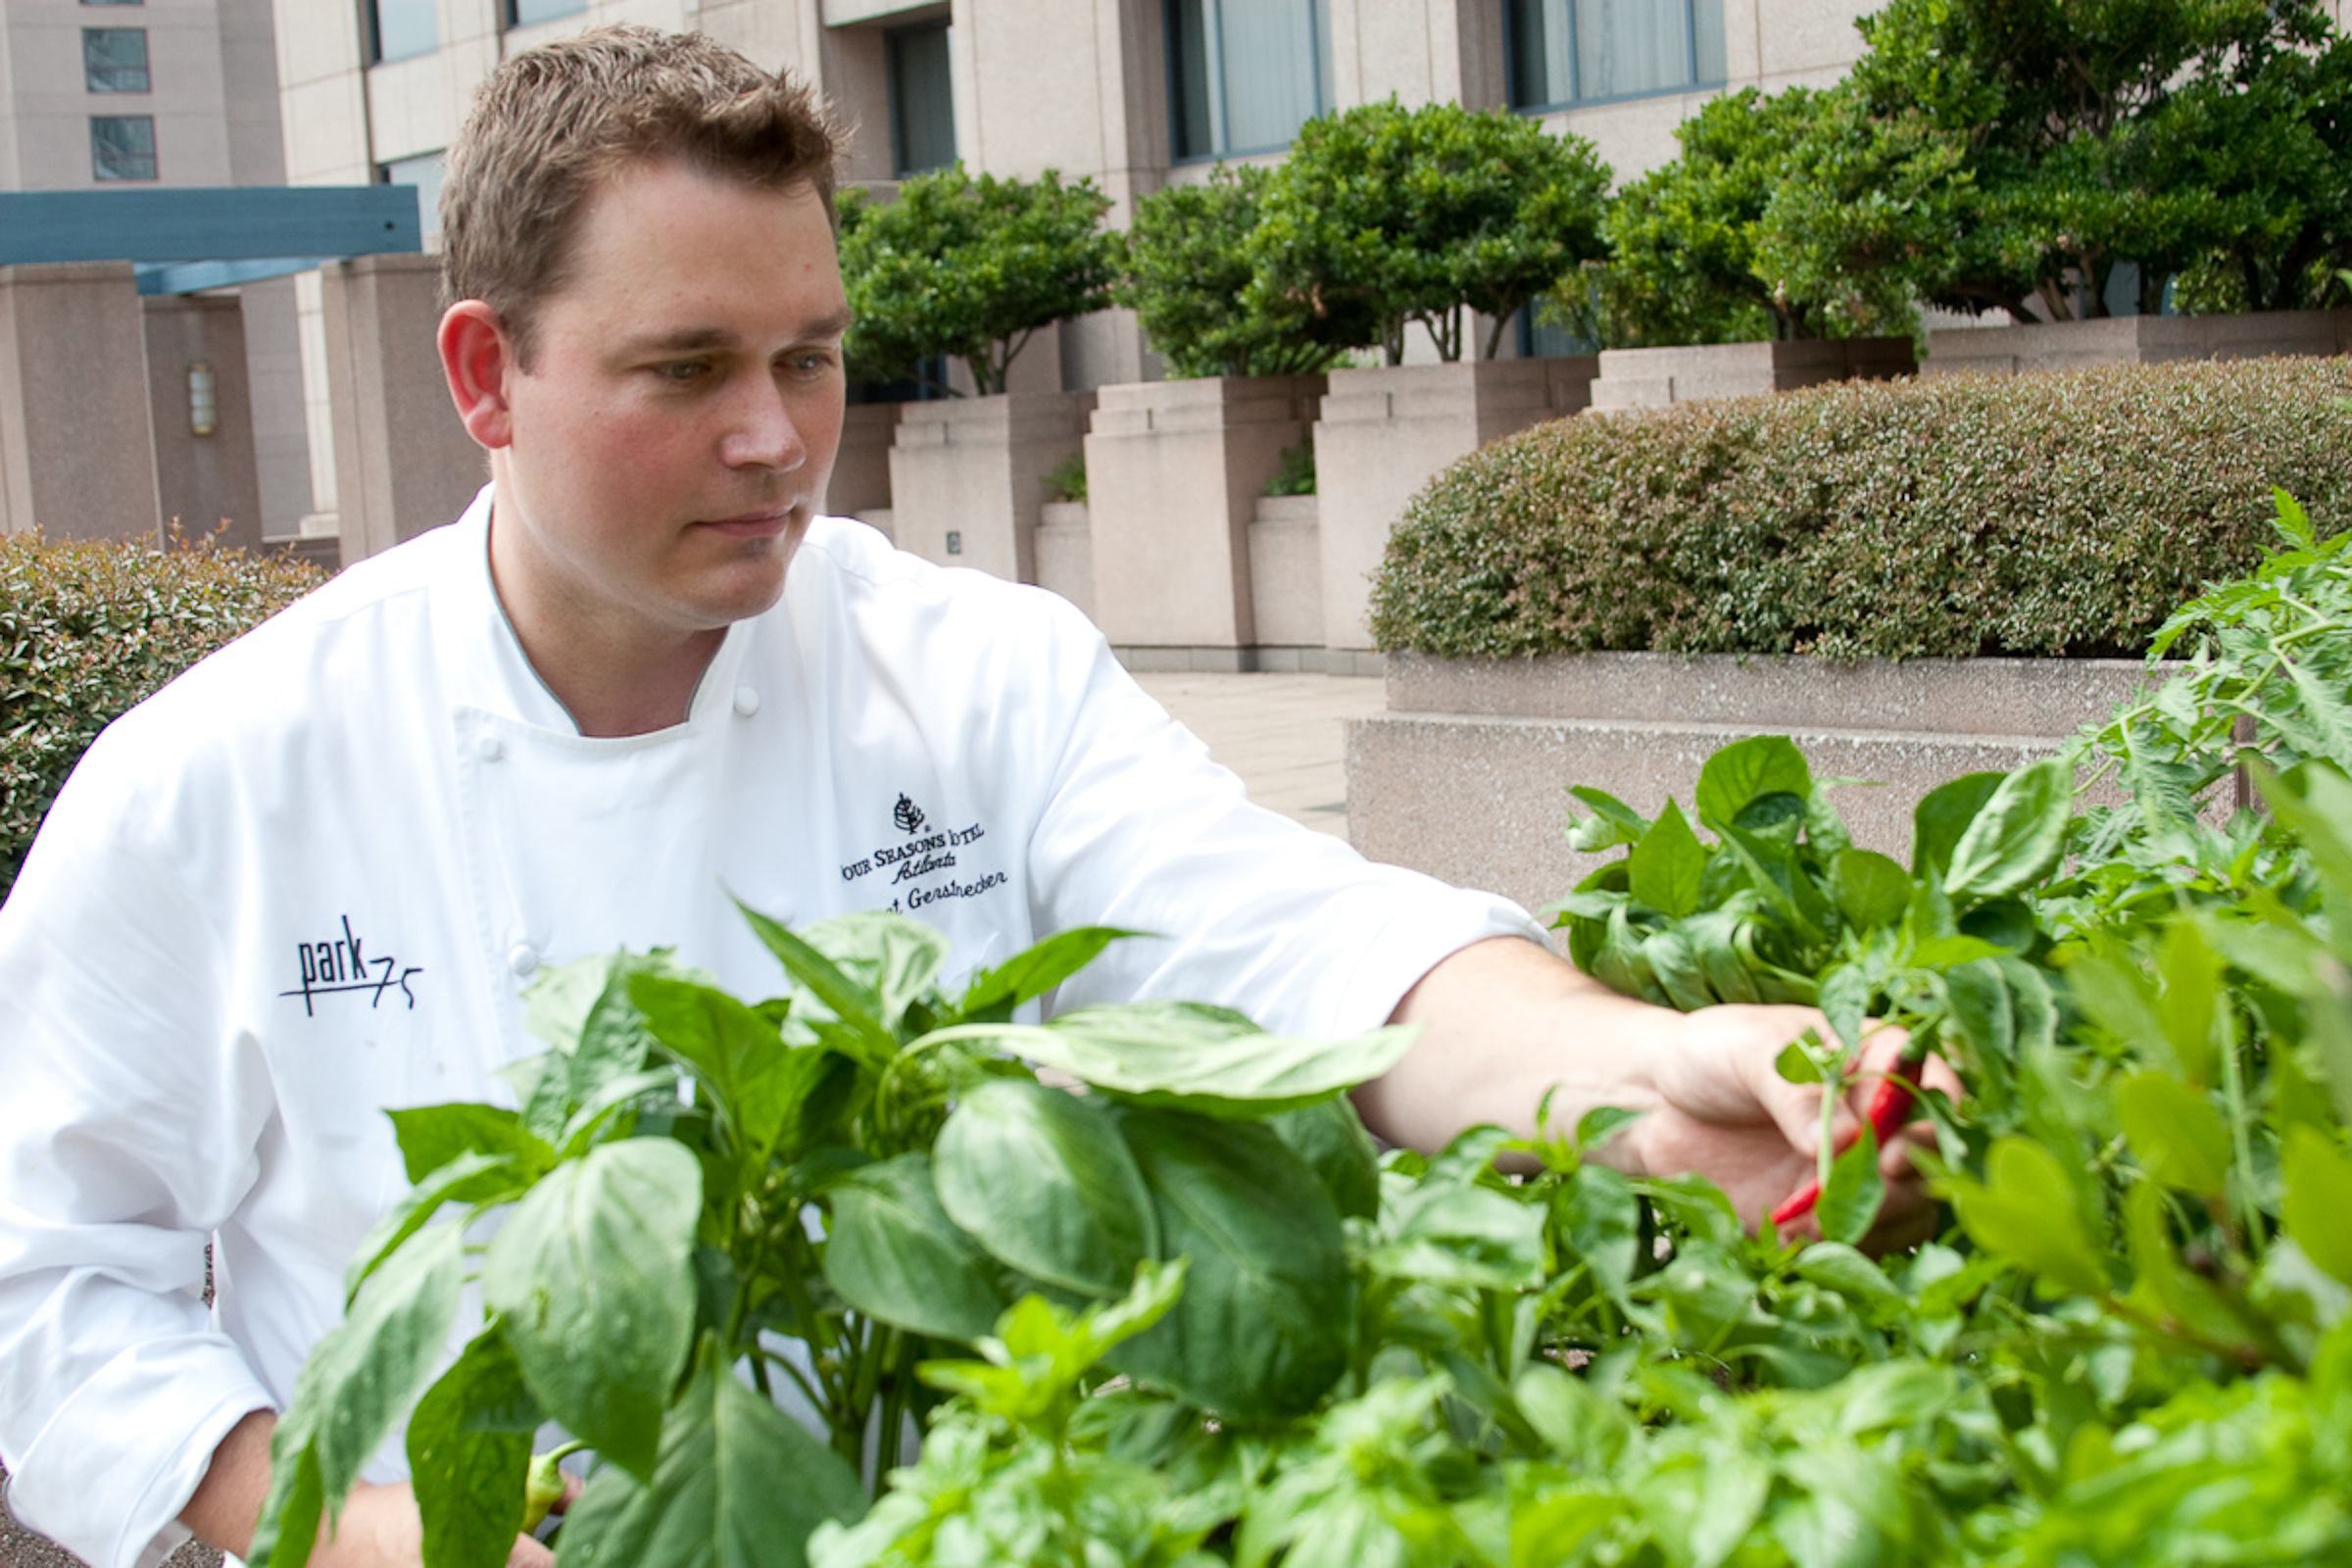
[{"x": 310, "y": 879}]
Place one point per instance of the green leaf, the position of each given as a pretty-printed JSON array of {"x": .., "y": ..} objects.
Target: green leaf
[
  {"x": 1042, "y": 1179},
  {"x": 593, "y": 1278},
  {"x": 1604, "y": 1226},
  {"x": 557, "y": 1004},
  {"x": 854, "y": 1004},
  {"x": 1977, "y": 1002},
  {"x": 360, "y": 1379},
  {"x": 1740, "y": 773},
  {"x": 1261, "y": 1330},
  {"x": 467, "y": 1179},
  {"x": 1869, "y": 890},
  {"x": 737, "y": 1484},
  {"x": 1463, "y": 1235},
  {"x": 2026, "y": 1214},
  {"x": 2318, "y": 1208},
  {"x": 2017, "y": 837},
  {"x": 893, "y": 1254},
  {"x": 1845, "y": 992},
  {"x": 993, "y": 993},
  {"x": 433, "y": 1136},
  {"x": 1667, "y": 865},
  {"x": 469, "y": 1448},
  {"x": 1942, "y": 817},
  {"x": 1796, "y": 1064},
  {"x": 1331, "y": 1138},
  {"x": 1188, "y": 1056},
  {"x": 1601, "y": 1123},
  {"x": 1849, "y": 1201},
  {"x": 2186, "y": 1300},
  {"x": 1838, "y": 1266},
  {"x": 893, "y": 958},
  {"x": 1613, "y": 822},
  {"x": 2176, "y": 1131},
  {"x": 753, "y": 1078}
]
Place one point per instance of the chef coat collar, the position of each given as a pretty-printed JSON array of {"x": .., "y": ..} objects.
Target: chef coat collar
[{"x": 490, "y": 671}]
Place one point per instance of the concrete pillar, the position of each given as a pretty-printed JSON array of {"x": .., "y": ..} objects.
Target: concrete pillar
[
  {"x": 1174, "y": 470},
  {"x": 205, "y": 484},
  {"x": 77, "y": 458},
  {"x": 967, "y": 476},
  {"x": 1384, "y": 434},
  {"x": 403, "y": 463}
]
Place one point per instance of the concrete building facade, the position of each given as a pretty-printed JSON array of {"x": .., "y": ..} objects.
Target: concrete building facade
[
  {"x": 1134, "y": 94},
  {"x": 132, "y": 94}
]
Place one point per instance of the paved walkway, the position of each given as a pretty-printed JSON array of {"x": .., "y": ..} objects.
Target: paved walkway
[{"x": 1283, "y": 734}]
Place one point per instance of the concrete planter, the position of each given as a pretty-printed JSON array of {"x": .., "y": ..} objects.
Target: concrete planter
[
  {"x": 2136, "y": 340},
  {"x": 1462, "y": 777},
  {"x": 1066, "y": 551},
  {"x": 1385, "y": 433},
  {"x": 1657, "y": 378},
  {"x": 1174, "y": 470},
  {"x": 861, "y": 481},
  {"x": 968, "y": 475}
]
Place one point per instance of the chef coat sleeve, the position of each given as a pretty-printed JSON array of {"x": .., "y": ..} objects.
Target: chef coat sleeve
[
  {"x": 131, "y": 1127},
  {"x": 1141, "y": 830}
]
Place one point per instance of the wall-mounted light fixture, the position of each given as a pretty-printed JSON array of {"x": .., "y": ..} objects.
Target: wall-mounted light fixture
[{"x": 204, "y": 399}]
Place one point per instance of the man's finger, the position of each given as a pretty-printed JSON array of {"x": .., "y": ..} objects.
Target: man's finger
[{"x": 531, "y": 1553}]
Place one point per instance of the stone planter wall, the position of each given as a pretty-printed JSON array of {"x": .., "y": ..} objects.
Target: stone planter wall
[
  {"x": 968, "y": 475},
  {"x": 2136, "y": 340},
  {"x": 1066, "y": 551},
  {"x": 1657, "y": 378},
  {"x": 1464, "y": 776},
  {"x": 1173, "y": 473},
  {"x": 1385, "y": 433},
  {"x": 860, "y": 482}
]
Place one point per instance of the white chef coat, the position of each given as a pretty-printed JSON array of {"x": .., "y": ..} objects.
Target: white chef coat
[{"x": 310, "y": 879}]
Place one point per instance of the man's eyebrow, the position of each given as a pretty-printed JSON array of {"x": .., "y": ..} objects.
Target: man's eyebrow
[{"x": 694, "y": 340}]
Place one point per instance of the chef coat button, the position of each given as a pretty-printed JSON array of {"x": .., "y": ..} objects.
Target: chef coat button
[
  {"x": 747, "y": 700},
  {"x": 523, "y": 960},
  {"x": 490, "y": 749}
]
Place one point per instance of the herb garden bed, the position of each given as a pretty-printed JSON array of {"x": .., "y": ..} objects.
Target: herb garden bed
[{"x": 1190, "y": 1317}]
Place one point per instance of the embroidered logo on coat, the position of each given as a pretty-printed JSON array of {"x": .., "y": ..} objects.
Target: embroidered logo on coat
[
  {"x": 341, "y": 964},
  {"x": 908, "y": 816}
]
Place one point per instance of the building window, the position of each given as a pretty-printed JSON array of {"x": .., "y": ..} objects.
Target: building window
[
  {"x": 114, "y": 59},
  {"x": 424, "y": 173},
  {"x": 401, "y": 30},
  {"x": 1245, "y": 74},
  {"x": 922, "y": 100},
  {"x": 523, "y": 12},
  {"x": 1582, "y": 51},
  {"x": 123, "y": 147}
]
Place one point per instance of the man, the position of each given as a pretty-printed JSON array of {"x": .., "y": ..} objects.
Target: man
[{"x": 310, "y": 880}]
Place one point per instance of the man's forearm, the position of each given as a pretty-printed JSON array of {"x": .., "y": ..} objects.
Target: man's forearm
[
  {"x": 1504, "y": 1023},
  {"x": 229, "y": 1500}
]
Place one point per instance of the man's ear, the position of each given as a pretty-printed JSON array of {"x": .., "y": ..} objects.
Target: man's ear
[{"x": 478, "y": 358}]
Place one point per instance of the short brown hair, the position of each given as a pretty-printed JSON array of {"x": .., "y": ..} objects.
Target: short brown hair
[{"x": 552, "y": 123}]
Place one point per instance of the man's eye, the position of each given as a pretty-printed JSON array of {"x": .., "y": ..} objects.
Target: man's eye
[
  {"x": 810, "y": 361},
  {"x": 682, "y": 372}
]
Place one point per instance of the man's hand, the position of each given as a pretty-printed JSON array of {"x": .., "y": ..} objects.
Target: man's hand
[
  {"x": 1724, "y": 1109},
  {"x": 1504, "y": 1023},
  {"x": 379, "y": 1527}
]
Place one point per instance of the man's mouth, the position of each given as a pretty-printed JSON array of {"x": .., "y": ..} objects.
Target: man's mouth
[{"x": 766, "y": 523}]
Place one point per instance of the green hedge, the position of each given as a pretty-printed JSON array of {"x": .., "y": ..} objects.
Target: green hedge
[
  {"x": 86, "y": 629},
  {"x": 1962, "y": 515}
]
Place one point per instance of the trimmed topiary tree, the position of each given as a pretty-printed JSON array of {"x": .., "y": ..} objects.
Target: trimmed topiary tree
[
  {"x": 1383, "y": 216},
  {"x": 1187, "y": 277},
  {"x": 971, "y": 267}
]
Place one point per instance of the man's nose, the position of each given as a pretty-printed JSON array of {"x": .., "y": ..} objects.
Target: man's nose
[{"x": 763, "y": 432}]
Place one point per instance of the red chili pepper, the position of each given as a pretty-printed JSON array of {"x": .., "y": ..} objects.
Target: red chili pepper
[{"x": 1892, "y": 1104}]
